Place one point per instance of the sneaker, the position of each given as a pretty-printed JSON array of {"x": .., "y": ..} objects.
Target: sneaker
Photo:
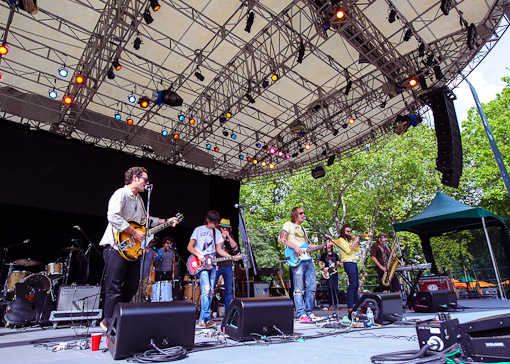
[
  {"x": 102, "y": 324},
  {"x": 305, "y": 319},
  {"x": 210, "y": 324},
  {"x": 331, "y": 308},
  {"x": 313, "y": 317},
  {"x": 201, "y": 324}
]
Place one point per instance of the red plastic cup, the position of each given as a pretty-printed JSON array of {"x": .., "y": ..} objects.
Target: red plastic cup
[{"x": 96, "y": 340}]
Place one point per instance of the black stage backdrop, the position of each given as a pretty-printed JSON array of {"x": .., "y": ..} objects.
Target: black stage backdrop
[{"x": 50, "y": 184}]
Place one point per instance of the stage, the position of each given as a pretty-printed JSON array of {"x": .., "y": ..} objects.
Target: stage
[{"x": 312, "y": 342}]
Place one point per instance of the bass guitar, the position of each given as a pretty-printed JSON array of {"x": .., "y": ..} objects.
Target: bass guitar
[
  {"x": 195, "y": 266},
  {"x": 293, "y": 258},
  {"x": 132, "y": 249}
]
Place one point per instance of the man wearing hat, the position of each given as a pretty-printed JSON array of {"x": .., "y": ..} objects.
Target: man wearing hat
[
  {"x": 380, "y": 254},
  {"x": 225, "y": 268}
]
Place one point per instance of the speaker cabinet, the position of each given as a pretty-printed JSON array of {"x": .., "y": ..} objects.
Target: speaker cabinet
[
  {"x": 387, "y": 307},
  {"x": 135, "y": 325},
  {"x": 486, "y": 339},
  {"x": 434, "y": 301},
  {"x": 449, "y": 144},
  {"x": 263, "y": 315}
]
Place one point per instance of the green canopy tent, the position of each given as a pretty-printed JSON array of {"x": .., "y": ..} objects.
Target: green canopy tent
[{"x": 445, "y": 214}]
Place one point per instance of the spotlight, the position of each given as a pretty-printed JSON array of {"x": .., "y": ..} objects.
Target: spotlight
[
  {"x": 155, "y": 5},
  {"x": 147, "y": 16},
  {"x": 423, "y": 82},
  {"x": 199, "y": 76},
  {"x": 164, "y": 132},
  {"x": 274, "y": 77},
  {"x": 144, "y": 102},
  {"x": 117, "y": 116},
  {"x": 255, "y": 161},
  {"x": 222, "y": 119},
  {"x": 177, "y": 136},
  {"x": 192, "y": 121},
  {"x": 258, "y": 145},
  {"x": 132, "y": 98},
  {"x": 248, "y": 159},
  {"x": 233, "y": 136},
  {"x": 137, "y": 43},
  {"x": 392, "y": 16},
  {"x": 413, "y": 82},
  {"x": 271, "y": 165},
  {"x": 295, "y": 155},
  {"x": 383, "y": 105},
  {"x": 272, "y": 150},
  {"x": 344, "y": 125},
  {"x": 241, "y": 156},
  {"x": 264, "y": 164},
  {"x": 68, "y": 100},
  {"x": 326, "y": 25},
  {"x": 301, "y": 150},
  {"x": 287, "y": 156},
  {"x": 408, "y": 35},
  {"x": 4, "y": 50},
  {"x": 225, "y": 133},
  {"x": 351, "y": 121},
  {"x": 116, "y": 64},
  {"x": 52, "y": 94},
  {"x": 265, "y": 83},
  {"x": 308, "y": 146},
  {"x": 181, "y": 117},
  {"x": 79, "y": 79},
  {"x": 110, "y": 74},
  {"x": 348, "y": 88},
  {"x": 280, "y": 153},
  {"x": 340, "y": 13},
  {"x": 228, "y": 114},
  {"x": 249, "y": 21},
  {"x": 438, "y": 73},
  {"x": 301, "y": 53},
  {"x": 335, "y": 132},
  {"x": 208, "y": 146},
  {"x": 130, "y": 121},
  {"x": 216, "y": 149},
  {"x": 250, "y": 98},
  {"x": 63, "y": 72},
  {"x": 421, "y": 49}
]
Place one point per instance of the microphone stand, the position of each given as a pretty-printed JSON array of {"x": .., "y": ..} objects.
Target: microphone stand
[
  {"x": 5, "y": 250},
  {"x": 87, "y": 254},
  {"x": 142, "y": 263},
  {"x": 249, "y": 262}
]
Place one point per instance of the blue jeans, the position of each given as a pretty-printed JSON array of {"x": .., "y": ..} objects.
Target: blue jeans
[
  {"x": 207, "y": 278},
  {"x": 228, "y": 282},
  {"x": 333, "y": 291},
  {"x": 352, "y": 291},
  {"x": 305, "y": 282}
]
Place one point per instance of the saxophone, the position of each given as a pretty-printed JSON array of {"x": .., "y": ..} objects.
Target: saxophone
[{"x": 391, "y": 266}]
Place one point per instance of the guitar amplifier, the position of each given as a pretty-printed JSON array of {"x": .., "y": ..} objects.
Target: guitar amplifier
[{"x": 78, "y": 298}]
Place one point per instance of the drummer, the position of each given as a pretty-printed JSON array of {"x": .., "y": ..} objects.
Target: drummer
[{"x": 164, "y": 261}]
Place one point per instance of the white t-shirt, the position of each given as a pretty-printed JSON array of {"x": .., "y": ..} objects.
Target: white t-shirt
[{"x": 204, "y": 239}]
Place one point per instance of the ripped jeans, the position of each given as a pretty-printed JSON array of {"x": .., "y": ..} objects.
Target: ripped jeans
[
  {"x": 207, "y": 278},
  {"x": 305, "y": 283}
]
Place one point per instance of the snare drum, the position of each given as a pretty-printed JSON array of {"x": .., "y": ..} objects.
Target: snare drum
[
  {"x": 16, "y": 276},
  {"x": 55, "y": 270},
  {"x": 162, "y": 291},
  {"x": 192, "y": 293}
]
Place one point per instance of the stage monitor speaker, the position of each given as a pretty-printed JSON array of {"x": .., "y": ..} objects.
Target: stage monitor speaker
[
  {"x": 434, "y": 301},
  {"x": 486, "y": 339},
  {"x": 135, "y": 325},
  {"x": 449, "y": 143},
  {"x": 387, "y": 307},
  {"x": 262, "y": 315}
]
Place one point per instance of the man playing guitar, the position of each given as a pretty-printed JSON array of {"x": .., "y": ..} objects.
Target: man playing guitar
[{"x": 206, "y": 240}]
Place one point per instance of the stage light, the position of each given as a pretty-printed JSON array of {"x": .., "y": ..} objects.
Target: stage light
[
  {"x": 344, "y": 125},
  {"x": 52, "y": 94},
  {"x": 132, "y": 98},
  {"x": 216, "y": 149},
  {"x": 79, "y": 79},
  {"x": 117, "y": 116},
  {"x": 176, "y": 136},
  {"x": 222, "y": 119},
  {"x": 233, "y": 136},
  {"x": 348, "y": 88},
  {"x": 249, "y": 21},
  {"x": 255, "y": 161},
  {"x": 287, "y": 156},
  {"x": 340, "y": 13},
  {"x": 438, "y": 73},
  {"x": 331, "y": 160},
  {"x": 228, "y": 114},
  {"x": 130, "y": 121},
  {"x": 143, "y": 102},
  {"x": 326, "y": 25},
  {"x": 265, "y": 83},
  {"x": 264, "y": 164},
  {"x": 280, "y": 153},
  {"x": 248, "y": 159},
  {"x": 147, "y": 16},
  {"x": 335, "y": 132},
  {"x": 392, "y": 16},
  {"x": 116, "y": 64},
  {"x": 272, "y": 150},
  {"x": 383, "y": 105},
  {"x": 250, "y": 98},
  {"x": 274, "y": 77},
  {"x": 137, "y": 43},
  {"x": 181, "y": 117},
  {"x": 471, "y": 36},
  {"x": 62, "y": 71},
  {"x": 68, "y": 100},
  {"x": 192, "y": 121},
  {"x": 413, "y": 82},
  {"x": 225, "y": 133},
  {"x": 258, "y": 145},
  {"x": 164, "y": 132},
  {"x": 241, "y": 156},
  {"x": 445, "y": 6},
  {"x": 110, "y": 74},
  {"x": 351, "y": 121},
  {"x": 407, "y": 35},
  {"x": 301, "y": 53},
  {"x": 271, "y": 165},
  {"x": 308, "y": 146},
  {"x": 421, "y": 49},
  {"x": 199, "y": 76},
  {"x": 155, "y": 5},
  {"x": 208, "y": 146},
  {"x": 423, "y": 82},
  {"x": 4, "y": 50}
]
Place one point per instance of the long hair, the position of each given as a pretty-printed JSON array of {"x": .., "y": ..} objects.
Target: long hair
[
  {"x": 294, "y": 214},
  {"x": 342, "y": 232}
]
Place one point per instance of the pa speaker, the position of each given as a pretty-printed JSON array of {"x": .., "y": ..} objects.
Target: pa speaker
[
  {"x": 262, "y": 315},
  {"x": 486, "y": 339},
  {"x": 434, "y": 301},
  {"x": 135, "y": 325},
  {"x": 387, "y": 307},
  {"x": 449, "y": 144}
]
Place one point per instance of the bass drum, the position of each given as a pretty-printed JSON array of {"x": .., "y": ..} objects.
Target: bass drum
[
  {"x": 162, "y": 291},
  {"x": 192, "y": 293},
  {"x": 34, "y": 283},
  {"x": 16, "y": 276}
]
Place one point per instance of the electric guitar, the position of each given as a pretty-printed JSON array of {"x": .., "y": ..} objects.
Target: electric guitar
[
  {"x": 293, "y": 258},
  {"x": 132, "y": 249},
  {"x": 331, "y": 270},
  {"x": 195, "y": 266}
]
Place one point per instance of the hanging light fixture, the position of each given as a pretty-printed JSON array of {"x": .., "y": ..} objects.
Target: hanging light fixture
[{"x": 155, "y": 5}]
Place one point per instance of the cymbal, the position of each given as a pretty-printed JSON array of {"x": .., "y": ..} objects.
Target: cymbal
[
  {"x": 27, "y": 262},
  {"x": 71, "y": 249}
]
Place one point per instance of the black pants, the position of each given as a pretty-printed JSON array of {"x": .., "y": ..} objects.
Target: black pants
[
  {"x": 121, "y": 281},
  {"x": 394, "y": 284}
]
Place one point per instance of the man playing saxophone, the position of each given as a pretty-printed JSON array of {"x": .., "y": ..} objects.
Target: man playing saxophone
[{"x": 384, "y": 260}]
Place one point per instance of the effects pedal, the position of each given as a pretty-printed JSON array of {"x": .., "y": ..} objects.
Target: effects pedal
[{"x": 440, "y": 334}]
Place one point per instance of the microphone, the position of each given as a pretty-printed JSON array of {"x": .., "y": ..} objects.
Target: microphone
[
  {"x": 76, "y": 305},
  {"x": 26, "y": 241},
  {"x": 75, "y": 240},
  {"x": 149, "y": 187},
  {"x": 77, "y": 227},
  {"x": 237, "y": 206}
]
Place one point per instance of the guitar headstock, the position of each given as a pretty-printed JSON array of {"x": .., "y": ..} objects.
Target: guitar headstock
[{"x": 179, "y": 217}]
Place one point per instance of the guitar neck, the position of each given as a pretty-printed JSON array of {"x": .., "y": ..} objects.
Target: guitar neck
[
  {"x": 160, "y": 227},
  {"x": 222, "y": 259}
]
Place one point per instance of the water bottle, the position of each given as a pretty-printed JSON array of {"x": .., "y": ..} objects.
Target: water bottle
[{"x": 370, "y": 317}]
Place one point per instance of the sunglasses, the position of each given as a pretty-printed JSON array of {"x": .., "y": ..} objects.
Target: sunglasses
[
  {"x": 146, "y": 179},
  {"x": 301, "y": 213}
]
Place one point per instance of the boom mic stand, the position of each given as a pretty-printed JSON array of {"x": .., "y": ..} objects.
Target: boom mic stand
[
  {"x": 249, "y": 261},
  {"x": 87, "y": 252},
  {"x": 142, "y": 263}
]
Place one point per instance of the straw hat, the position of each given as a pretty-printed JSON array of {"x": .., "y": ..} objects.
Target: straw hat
[{"x": 225, "y": 223}]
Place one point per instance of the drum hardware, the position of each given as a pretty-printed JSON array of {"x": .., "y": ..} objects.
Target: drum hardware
[{"x": 27, "y": 262}]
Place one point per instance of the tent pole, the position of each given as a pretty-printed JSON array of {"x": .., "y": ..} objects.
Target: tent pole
[{"x": 498, "y": 279}]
